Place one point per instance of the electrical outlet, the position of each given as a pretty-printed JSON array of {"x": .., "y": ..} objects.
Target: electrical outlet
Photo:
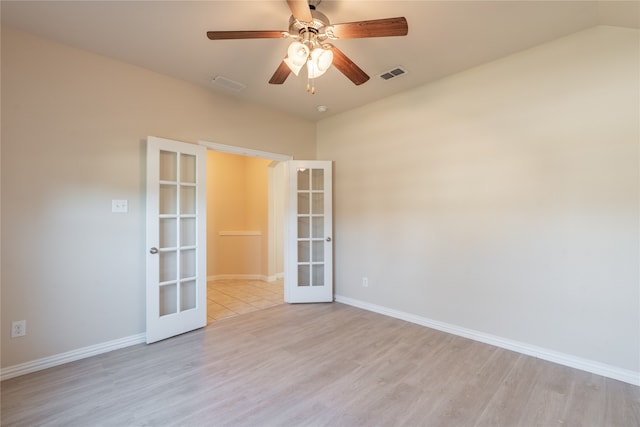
[
  {"x": 18, "y": 328},
  {"x": 365, "y": 282},
  {"x": 119, "y": 206}
]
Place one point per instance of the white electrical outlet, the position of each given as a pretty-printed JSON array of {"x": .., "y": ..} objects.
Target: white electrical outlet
[
  {"x": 18, "y": 328},
  {"x": 365, "y": 282},
  {"x": 119, "y": 206}
]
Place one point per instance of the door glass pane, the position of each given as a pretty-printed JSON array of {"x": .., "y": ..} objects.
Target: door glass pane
[
  {"x": 188, "y": 168},
  {"x": 187, "y": 199},
  {"x": 168, "y": 166},
  {"x": 303, "y": 251},
  {"x": 168, "y": 266},
  {"x": 318, "y": 275},
  {"x": 318, "y": 251},
  {"x": 168, "y": 299},
  {"x": 303, "y": 275},
  {"x": 303, "y": 179},
  {"x": 317, "y": 203},
  {"x": 187, "y": 263},
  {"x": 168, "y": 231},
  {"x": 303, "y": 203},
  {"x": 187, "y": 232},
  {"x": 318, "y": 227},
  {"x": 187, "y": 295},
  {"x": 303, "y": 227},
  {"x": 168, "y": 199},
  {"x": 317, "y": 179}
]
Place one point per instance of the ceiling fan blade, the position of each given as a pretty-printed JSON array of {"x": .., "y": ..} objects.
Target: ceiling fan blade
[
  {"x": 387, "y": 27},
  {"x": 348, "y": 67},
  {"x": 229, "y": 35},
  {"x": 281, "y": 74},
  {"x": 300, "y": 10}
]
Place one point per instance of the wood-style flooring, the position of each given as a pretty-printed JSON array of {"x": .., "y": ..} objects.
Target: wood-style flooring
[{"x": 316, "y": 365}]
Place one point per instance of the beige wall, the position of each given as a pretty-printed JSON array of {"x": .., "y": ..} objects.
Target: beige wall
[
  {"x": 503, "y": 199},
  {"x": 73, "y": 130},
  {"x": 237, "y": 201}
]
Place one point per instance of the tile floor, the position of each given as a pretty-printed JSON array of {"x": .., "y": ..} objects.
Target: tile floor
[{"x": 227, "y": 298}]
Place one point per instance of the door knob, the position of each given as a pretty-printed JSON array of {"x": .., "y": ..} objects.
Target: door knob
[
  {"x": 328, "y": 239},
  {"x": 153, "y": 250}
]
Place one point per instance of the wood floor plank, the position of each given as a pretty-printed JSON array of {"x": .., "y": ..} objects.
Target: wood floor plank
[
  {"x": 315, "y": 365},
  {"x": 621, "y": 407},
  {"x": 506, "y": 406}
]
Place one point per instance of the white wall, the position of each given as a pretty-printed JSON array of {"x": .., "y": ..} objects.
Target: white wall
[
  {"x": 503, "y": 199},
  {"x": 73, "y": 129}
]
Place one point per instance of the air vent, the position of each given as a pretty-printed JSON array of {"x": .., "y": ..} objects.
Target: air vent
[
  {"x": 392, "y": 74},
  {"x": 228, "y": 83}
]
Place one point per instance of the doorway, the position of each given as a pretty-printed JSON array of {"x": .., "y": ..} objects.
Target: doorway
[
  {"x": 245, "y": 231},
  {"x": 176, "y": 290}
]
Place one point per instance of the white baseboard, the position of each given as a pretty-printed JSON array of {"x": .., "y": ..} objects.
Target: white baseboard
[
  {"x": 70, "y": 356},
  {"x": 587, "y": 365},
  {"x": 594, "y": 367}
]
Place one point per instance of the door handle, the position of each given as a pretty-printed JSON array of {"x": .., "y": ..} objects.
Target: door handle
[
  {"x": 153, "y": 250},
  {"x": 328, "y": 239}
]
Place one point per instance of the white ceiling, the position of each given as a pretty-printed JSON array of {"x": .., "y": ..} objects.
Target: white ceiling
[{"x": 445, "y": 37}]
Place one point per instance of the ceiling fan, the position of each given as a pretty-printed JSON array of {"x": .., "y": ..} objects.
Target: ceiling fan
[{"x": 311, "y": 32}]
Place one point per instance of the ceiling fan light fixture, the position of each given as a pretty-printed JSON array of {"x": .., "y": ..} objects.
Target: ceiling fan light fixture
[
  {"x": 295, "y": 68},
  {"x": 319, "y": 62},
  {"x": 297, "y": 55},
  {"x": 313, "y": 70},
  {"x": 299, "y": 52},
  {"x": 323, "y": 58}
]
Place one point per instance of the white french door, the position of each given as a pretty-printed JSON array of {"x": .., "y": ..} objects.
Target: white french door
[
  {"x": 308, "y": 243},
  {"x": 176, "y": 238}
]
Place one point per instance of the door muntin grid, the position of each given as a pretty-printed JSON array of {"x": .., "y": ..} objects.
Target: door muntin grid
[
  {"x": 177, "y": 233},
  {"x": 310, "y": 222}
]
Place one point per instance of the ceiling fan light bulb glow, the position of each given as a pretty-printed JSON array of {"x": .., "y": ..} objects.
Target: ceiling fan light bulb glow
[
  {"x": 292, "y": 66},
  {"x": 319, "y": 62},
  {"x": 313, "y": 70},
  {"x": 298, "y": 53}
]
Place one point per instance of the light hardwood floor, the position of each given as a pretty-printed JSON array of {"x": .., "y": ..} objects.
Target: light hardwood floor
[{"x": 316, "y": 365}]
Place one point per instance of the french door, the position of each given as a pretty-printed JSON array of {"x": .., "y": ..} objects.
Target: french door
[
  {"x": 176, "y": 238},
  {"x": 308, "y": 242}
]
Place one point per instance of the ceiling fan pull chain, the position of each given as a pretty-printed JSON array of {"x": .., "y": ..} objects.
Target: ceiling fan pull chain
[{"x": 311, "y": 87}]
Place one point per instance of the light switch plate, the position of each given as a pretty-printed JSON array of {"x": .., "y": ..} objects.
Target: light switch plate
[{"x": 119, "y": 206}]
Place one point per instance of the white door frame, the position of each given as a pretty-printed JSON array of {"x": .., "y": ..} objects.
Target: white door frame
[{"x": 230, "y": 149}]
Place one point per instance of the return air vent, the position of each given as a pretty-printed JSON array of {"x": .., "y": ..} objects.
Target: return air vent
[
  {"x": 392, "y": 74},
  {"x": 228, "y": 83}
]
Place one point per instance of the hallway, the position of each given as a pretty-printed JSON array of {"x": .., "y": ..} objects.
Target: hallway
[{"x": 228, "y": 298}]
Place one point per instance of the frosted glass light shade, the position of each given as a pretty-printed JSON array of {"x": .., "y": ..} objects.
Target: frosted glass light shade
[
  {"x": 297, "y": 55},
  {"x": 319, "y": 62}
]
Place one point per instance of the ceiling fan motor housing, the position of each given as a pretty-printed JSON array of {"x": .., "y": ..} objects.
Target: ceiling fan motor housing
[{"x": 317, "y": 27}]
